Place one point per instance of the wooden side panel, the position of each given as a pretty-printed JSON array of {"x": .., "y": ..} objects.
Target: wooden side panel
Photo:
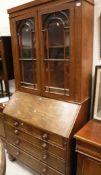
[
  {"x": 14, "y": 52},
  {"x": 83, "y": 116},
  {"x": 87, "y": 49},
  {"x": 77, "y": 53},
  {"x": 83, "y": 49},
  {"x": 81, "y": 120}
]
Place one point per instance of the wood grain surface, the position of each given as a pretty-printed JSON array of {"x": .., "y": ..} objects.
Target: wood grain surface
[{"x": 55, "y": 116}]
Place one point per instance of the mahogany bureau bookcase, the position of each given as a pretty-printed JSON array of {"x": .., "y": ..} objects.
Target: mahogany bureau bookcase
[{"x": 52, "y": 53}]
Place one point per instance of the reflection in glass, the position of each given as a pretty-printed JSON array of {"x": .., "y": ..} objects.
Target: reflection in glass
[
  {"x": 56, "y": 74},
  {"x": 55, "y": 32},
  {"x": 26, "y": 43},
  {"x": 27, "y": 72},
  {"x": 56, "y": 53},
  {"x": 26, "y": 37},
  {"x": 67, "y": 44}
]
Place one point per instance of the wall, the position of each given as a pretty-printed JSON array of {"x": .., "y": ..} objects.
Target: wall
[
  {"x": 4, "y": 18},
  {"x": 96, "y": 43},
  {"x": 97, "y": 33}
]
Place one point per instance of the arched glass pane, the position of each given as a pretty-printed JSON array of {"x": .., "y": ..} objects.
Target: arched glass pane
[
  {"x": 28, "y": 72},
  {"x": 27, "y": 52},
  {"x": 56, "y": 37},
  {"x": 61, "y": 15},
  {"x": 26, "y": 43},
  {"x": 56, "y": 33}
]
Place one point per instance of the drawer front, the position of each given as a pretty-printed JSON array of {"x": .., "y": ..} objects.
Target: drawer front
[
  {"x": 58, "y": 151},
  {"x": 44, "y": 156},
  {"x": 89, "y": 149},
  {"x": 58, "y": 140},
  {"x": 33, "y": 163}
]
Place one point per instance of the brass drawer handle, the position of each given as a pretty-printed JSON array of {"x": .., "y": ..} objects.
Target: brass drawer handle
[
  {"x": 22, "y": 124},
  {"x": 16, "y": 123},
  {"x": 45, "y": 136},
  {"x": 44, "y": 170},
  {"x": 44, "y": 157},
  {"x": 16, "y": 132},
  {"x": 44, "y": 145},
  {"x": 17, "y": 142},
  {"x": 17, "y": 153}
]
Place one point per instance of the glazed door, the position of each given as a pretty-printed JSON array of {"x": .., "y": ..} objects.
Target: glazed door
[
  {"x": 26, "y": 57},
  {"x": 56, "y": 33}
]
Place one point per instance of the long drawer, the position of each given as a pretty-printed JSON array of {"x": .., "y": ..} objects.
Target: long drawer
[
  {"x": 44, "y": 156},
  {"x": 89, "y": 149},
  {"x": 42, "y": 144},
  {"x": 37, "y": 132},
  {"x": 33, "y": 163}
]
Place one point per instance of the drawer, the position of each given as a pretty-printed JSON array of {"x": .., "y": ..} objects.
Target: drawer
[
  {"x": 43, "y": 145},
  {"x": 44, "y": 135},
  {"x": 89, "y": 150},
  {"x": 33, "y": 163},
  {"x": 44, "y": 156}
]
